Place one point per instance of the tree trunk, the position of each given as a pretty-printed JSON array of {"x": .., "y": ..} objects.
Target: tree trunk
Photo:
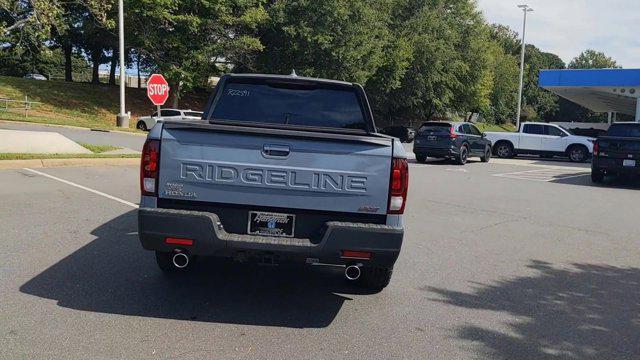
[
  {"x": 95, "y": 61},
  {"x": 138, "y": 66},
  {"x": 175, "y": 95},
  {"x": 112, "y": 70},
  {"x": 68, "y": 69}
]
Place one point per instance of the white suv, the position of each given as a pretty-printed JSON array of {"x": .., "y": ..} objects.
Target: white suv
[{"x": 145, "y": 123}]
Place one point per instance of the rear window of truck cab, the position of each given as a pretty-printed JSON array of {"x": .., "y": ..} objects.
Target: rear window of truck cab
[
  {"x": 624, "y": 130},
  {"x": 289, "y": 103}
]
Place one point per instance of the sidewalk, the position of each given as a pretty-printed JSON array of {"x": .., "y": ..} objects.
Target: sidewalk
[
  {"x": 38, "y": 142},
  {"x": 49, "y": 148},
  {"x": 132, "y": 141}
]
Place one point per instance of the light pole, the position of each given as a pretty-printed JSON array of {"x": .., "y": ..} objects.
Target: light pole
[
  {"x": 123, "y": 118},
  {"x": 526, "y": 9}
]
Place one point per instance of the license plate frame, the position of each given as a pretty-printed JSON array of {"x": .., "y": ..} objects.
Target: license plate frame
[
  {"x": 264, "y": 223},
  {"x": 628, "y": 163}
]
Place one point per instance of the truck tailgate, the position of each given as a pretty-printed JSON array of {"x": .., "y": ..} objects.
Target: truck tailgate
[
  {"x": 269, "y": 168},
  {"x": 620, "y": 147}
]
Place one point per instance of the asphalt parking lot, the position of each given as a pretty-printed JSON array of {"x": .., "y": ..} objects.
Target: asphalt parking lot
[{"x": 515, "y": 259}]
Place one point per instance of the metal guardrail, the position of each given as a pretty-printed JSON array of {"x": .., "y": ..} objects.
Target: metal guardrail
[{"x": 26, "y": 105}]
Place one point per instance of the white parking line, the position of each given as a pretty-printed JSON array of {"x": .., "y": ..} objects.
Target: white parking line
[
  {"x": 545, "y": 175},
  {"x": 83, "y": 187}
]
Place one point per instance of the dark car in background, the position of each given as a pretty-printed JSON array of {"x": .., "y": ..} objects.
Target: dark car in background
[
  {"x": 617, "y": 152},
  {"x": 451, "y": 140},
  {"x": 404, "y": 133}
]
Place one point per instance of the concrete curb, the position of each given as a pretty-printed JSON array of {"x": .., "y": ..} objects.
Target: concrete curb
[
  {"x": 47, "y": 163},
  {"x": 71, "y": 127}
]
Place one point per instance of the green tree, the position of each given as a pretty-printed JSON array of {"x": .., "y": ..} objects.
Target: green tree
[
  {"x": 447, "y": 69},
  {"x": 337, "y": 39},
  {"x": 28, "y": 23},
  {"x": 188, "y": 41},
  {"x": 506, "y": 38},
  {"x": 591, "y": 59},
  {"x": 504, "y": 85},
  {"x": 538, "y": 103}
]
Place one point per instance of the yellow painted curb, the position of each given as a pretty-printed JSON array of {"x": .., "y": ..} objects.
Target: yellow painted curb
[{"x": 46, "y": 163}]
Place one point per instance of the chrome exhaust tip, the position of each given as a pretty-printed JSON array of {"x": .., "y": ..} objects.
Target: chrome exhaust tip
[
  {"x": 180, "y": 260},
  {"x": 352, "y": 272}
]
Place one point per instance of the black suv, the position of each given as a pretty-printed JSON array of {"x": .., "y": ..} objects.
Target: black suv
[{"x": 451, "y": 140}]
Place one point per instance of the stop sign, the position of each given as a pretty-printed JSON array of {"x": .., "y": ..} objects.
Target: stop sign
[{"x": 157, "y": 89}]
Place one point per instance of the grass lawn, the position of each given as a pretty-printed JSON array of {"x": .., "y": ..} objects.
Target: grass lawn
[
  {"x": 19, "y": 156},
  {"x": 78, "y": 104},
  {"x": 98, "y": 148},
  {"x": 493, "y": 127}
]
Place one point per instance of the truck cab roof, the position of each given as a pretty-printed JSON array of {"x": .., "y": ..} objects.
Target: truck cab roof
[{"x": 287, "y": 77}]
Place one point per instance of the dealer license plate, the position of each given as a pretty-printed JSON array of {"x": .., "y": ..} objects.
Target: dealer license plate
[{"x": 271, "y": 224}]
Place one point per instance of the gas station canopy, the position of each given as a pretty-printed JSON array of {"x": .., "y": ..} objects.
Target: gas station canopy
[{"x": 600, "y": 90}]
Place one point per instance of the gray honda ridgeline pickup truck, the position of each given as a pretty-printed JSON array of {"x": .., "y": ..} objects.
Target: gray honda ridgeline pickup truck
[{"x": 280, "y": 168}]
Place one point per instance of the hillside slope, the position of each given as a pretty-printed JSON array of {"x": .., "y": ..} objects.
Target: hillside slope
[{"x": 78, "y": 104}]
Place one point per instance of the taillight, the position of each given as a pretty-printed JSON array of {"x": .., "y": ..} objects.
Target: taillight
[
  {"x": 361, "y": 255},
  {"x": 178, "y": 241},
  {"x": 398, "y": 186},
  {"x": 149, "y": 167},
  {"x": 596, "y": 148},
  {"x": 452, "y": 133}
]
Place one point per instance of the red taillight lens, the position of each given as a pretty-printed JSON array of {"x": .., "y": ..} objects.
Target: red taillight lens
[
  {"x": 362, "y": 255},
  {"x": 399, "y": 186},
  {"x": 178, "y": 241},
  {"x": 452, "y": 133},
  {"x": 596, "y": 148},
  {"x": 149, "y": 167}
]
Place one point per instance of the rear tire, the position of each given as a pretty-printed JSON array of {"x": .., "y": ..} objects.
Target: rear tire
[
  {"x": 421, "y": 158},
  {"x": 504, "y": 150},
  {"x": 376, "y": 279},
  {"x": 487, "y": 155},
  {"x": 141, "y": 126},
  {"x": 578, "y": 153},
  {"x": 464, "y": 155},
  {"x": 597, "y": 176}
]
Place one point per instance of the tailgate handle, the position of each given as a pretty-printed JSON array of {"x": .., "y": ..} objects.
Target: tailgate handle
[{"x": 276, "y": 151}]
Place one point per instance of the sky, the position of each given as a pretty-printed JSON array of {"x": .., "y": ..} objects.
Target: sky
[{"x": 568, "y": 27}]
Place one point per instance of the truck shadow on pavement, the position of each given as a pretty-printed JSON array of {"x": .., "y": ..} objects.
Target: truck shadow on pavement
[
  {"x": 113, "y": 274},
  {"x": 583, "y": 312},
  {"x": 610, "y": 182}
]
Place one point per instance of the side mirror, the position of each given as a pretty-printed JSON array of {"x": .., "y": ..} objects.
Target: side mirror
[{"x": 483, "y": 135}]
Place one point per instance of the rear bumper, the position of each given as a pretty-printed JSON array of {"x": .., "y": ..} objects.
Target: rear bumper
[
  {"x": 436, "y": 152},
  {"x": 210, "y": 239},
  {"x": 614, "y": 166}
]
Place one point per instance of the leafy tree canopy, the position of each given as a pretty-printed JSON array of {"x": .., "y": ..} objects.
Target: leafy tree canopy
[{"x": 591, "y": 59}]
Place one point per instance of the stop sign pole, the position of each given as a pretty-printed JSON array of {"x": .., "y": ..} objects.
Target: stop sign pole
[{"x": 157, "y": 90}]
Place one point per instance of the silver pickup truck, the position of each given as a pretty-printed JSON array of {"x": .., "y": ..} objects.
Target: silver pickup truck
[{"x": 284, "y": 168}]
